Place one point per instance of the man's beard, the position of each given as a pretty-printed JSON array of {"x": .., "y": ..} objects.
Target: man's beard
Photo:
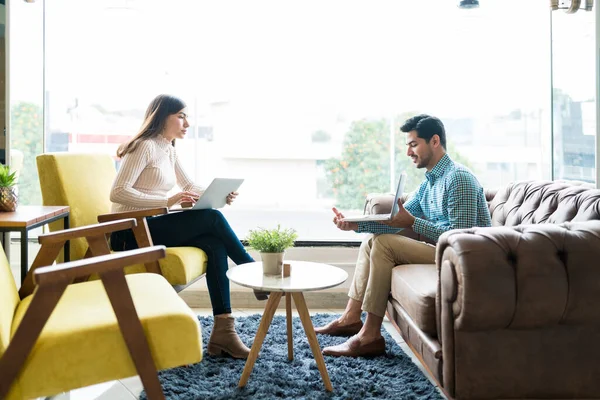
[{"x": 422, "y": 162}]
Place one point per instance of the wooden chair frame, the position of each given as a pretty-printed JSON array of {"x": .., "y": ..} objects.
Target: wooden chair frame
[
  {"x": 99, "y": 245},
  {"x": 50, "y": 282},
  {"x": 141, "y": 232},
  {"x": 142, "y": 235}
]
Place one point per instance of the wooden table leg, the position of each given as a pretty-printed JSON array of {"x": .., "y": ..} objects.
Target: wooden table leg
[
  {"x": 24, "y": 254},
  {"x": 263, "y": 328},
  {"x": 312, "y": 338},
  {"x": 288, "y": 318}
]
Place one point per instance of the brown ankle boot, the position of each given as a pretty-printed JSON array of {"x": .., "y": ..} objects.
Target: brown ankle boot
[
  {"x": 224, "y": 340},
  {"x": 261, "y": 295}
]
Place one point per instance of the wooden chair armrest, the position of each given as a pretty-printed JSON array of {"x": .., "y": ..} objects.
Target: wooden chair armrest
[
  {"x": 133, "y": 214},
  {"x": 141, "y": 231},
  {"x": 86, "y": 231},
  {"x": 66, "y": 272}
]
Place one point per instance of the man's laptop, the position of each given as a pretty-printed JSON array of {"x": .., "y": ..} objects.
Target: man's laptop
[
  {"x": 215, "y": 195},
  {"x": 382, "y": 217}
]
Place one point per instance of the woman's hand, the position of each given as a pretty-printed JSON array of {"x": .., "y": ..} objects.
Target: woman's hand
[
  {"x": 231, "y": 197},
  {"x": 182, "y": 197}
]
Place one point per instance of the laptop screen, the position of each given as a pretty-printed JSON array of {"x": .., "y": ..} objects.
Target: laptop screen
[{"x": 399, "y": 191}]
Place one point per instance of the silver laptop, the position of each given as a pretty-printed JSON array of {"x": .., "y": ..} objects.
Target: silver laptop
[
  {"x": 382, "y": 217},
  {"x": 215, "y": 195}
]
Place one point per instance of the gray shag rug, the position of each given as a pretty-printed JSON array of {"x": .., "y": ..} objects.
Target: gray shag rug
[{"x": 393, "y": 376}]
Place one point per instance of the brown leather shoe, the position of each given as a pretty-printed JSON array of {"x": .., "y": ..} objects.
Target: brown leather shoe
[
  {"x": 354, "y": 348},
  {"x": 335, "y": 329}
]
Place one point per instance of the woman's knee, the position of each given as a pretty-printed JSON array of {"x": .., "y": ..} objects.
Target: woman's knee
[
  {"x": 204, "y": 217},
  {"x": 214, "y": 213},
  {"x": 214, "y": 216}
]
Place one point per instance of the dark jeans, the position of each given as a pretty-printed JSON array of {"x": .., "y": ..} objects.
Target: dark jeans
[{"x": 205, "y": 229}]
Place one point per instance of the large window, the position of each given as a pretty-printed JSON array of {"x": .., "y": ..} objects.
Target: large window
[
  {"x": 574, "y": 95},
  {"x": 26, "y": 95},
  {"x": 304, "y": 99}
]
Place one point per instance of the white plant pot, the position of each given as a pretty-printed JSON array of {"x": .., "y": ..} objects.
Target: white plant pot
[{"x": 272, "y": 263}]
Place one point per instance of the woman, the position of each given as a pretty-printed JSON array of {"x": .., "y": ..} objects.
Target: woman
[{"x": 149, "y": 170}]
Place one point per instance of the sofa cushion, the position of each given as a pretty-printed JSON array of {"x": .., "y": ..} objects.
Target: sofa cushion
[{"x": 414, "y": 287}]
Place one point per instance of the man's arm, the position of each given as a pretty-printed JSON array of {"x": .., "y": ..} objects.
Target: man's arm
[
  {"x": 462, "y": 195},
  {"x": 412, "y": 205},
  {"x": 375, "y": 227}
]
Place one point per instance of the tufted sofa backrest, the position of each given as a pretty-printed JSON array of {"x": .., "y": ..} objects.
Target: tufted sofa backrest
[{"x": 534, "y": 202}]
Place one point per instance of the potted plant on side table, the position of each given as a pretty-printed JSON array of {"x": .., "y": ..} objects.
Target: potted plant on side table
[
  {"x": 8, "y": 190},
  {"x": 271, "y": 243}
]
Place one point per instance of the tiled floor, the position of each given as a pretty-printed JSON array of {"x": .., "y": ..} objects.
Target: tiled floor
[{"x": 129, "y": 389}]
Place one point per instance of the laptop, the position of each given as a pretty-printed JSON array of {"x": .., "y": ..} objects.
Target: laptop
[
  {"x": 215, "y": 195},
  {"x": 382, "y": 217}
]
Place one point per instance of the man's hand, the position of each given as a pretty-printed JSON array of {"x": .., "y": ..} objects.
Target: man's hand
[
  {"x": 231, "y": 197},
  {"x": 345, "y": 226},
  {"x": 403, "y": 219}
]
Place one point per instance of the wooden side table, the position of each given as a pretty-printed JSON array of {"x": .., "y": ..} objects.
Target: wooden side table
[
  {"x": 26, "y": 218},
  {"x": 305, "y": 277}
]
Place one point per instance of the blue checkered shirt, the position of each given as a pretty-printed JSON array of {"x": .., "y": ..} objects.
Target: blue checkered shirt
[{"x": 450, "y": 197}]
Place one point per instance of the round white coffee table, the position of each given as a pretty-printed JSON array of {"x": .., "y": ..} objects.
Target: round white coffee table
[{"x": 305, "y": 276}]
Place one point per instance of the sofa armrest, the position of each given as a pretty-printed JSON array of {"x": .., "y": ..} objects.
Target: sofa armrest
[
  {"x": 522, "y": 277},
  {"x": 378, "y": 203}
]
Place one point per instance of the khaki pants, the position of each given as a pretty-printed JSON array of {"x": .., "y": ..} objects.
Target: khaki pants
[{"x": 377, "y": 256}]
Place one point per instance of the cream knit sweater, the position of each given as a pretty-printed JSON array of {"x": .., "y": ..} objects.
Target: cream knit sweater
[{"x": 147, "y": 175}]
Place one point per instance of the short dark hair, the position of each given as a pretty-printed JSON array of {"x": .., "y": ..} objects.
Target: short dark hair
[{"x": 426, "y": 126}]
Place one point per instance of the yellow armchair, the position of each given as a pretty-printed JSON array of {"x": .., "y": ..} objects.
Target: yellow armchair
[
  {"x": 67, "y": 336},
  {"x": 83, "y": 182}
]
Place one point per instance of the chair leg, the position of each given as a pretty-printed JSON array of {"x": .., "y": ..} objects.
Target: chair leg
[
  {"x": 40, "y": 309},
  {"x": 133, "y": 332}
]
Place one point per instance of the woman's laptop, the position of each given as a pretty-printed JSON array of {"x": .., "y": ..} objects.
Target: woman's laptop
[
  {"x": 382, "y": 217},
  {"x": 215, "y": 195}
]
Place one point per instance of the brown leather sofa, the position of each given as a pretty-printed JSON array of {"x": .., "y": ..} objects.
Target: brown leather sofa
[{"x": 513, "y": 310}]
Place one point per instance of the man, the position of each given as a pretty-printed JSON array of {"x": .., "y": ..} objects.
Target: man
[{"x": 449, "y": 198}]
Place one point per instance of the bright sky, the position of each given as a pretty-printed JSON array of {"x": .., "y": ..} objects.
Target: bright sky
[{"x": 351, "y": 57}]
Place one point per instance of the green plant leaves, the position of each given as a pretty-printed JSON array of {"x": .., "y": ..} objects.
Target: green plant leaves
[
  {"x": 7, "y": 179},
  {"x": 271, "y": 240}
]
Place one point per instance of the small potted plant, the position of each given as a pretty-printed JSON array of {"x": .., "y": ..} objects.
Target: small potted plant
[
  {"x": 8, "y": 190},
  {"x": 271, "y": 243}
]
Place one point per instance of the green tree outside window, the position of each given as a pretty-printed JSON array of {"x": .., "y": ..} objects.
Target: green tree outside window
[
  {"x": 364, "y": 166},
  {"x": 27, "y": 130}
]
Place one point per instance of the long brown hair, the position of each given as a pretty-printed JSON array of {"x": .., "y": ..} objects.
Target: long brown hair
[{"x": 157, "y": 113}]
